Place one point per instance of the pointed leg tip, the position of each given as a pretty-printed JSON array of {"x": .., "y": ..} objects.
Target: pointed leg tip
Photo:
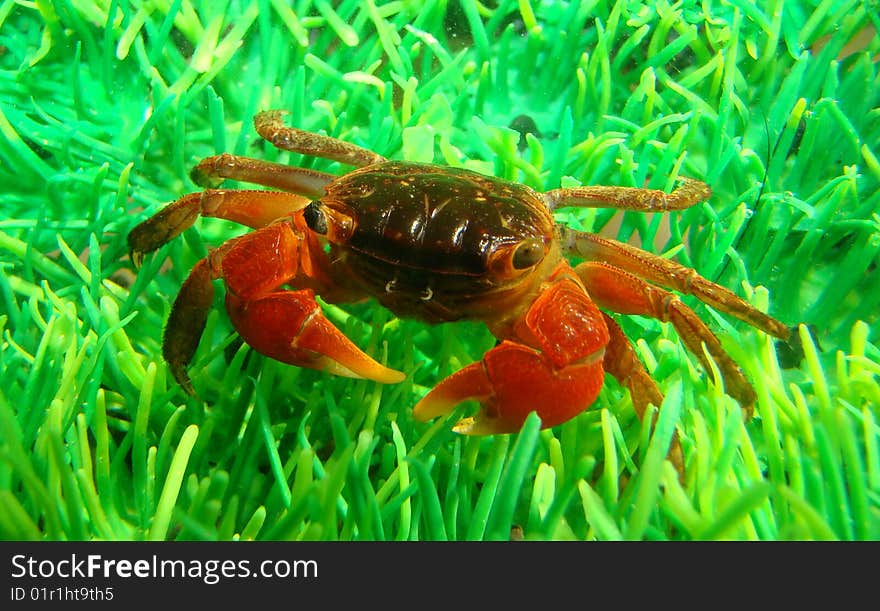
[
  {"x": 273, "y": 115},
  {"x": 429, "y": 408},
  {"x": 204, "y": 179},
  {"x": 138, "y": 243},
  {"x": 178, "y": 370},
  {"x": 136, "y": 257},
  {"x": 392, "y": 376}
]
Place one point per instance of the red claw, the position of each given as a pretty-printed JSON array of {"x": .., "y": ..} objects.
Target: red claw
[
  {"x": 290, "y": 327},
  {"x": 511, "y": 381},
  {"x": 551, "y": 365}
]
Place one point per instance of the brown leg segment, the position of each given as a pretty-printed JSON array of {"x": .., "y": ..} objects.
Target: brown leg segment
[
  {"x": 253, "y": 209},
  {"x": 211, "y": 171},
  {"x": 621, "y": 361},
  {"x": 669, "y": 274},
  {"x": 187, "y": 321},
  {"x": 619, "y": 291},
  {"x": 630, "y": 198},
  {"x": 624, "y": 365},
  {"x": 270, "y": 125}
]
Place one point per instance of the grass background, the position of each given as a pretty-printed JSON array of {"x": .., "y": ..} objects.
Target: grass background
[{"x": 105, "y": 105}]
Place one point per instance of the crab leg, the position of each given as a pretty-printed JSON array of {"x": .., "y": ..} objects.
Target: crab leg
[
  {"x": 621, "y": 292},
  {"x": 253, "y": 209},
  {"x": 288, "y": 326},
  {"x": 211, "y": 171},
  {"x": 187, "y": 321},
  {"x": 630, "y": 198},
  {"x": 622, "y": 362},
  {"x": 269, "y": 125},
  {"x": 669, "y": 274}
]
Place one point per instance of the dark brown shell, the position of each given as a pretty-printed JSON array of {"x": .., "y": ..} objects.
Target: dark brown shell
[
  {"x": 428, "y": 232},
  {"x": 434, "y": 218}
]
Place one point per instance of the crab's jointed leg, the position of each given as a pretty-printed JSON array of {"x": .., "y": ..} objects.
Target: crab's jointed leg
[
  {"x": 253, "y": 209},
  {"x": 668, "y": 274},
  {"x": 622, "y": 362},
  {"x": 187, "y": 321},
  {"x": 270, "y": 125},
  {"x": 648, "y": 266},
  {"x": 630, "y": 198},
  {"x": 622, "y": 292},
  {"x": 212, "y": 171}
]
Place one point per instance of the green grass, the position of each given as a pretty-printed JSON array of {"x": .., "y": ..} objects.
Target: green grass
[{"x": 105, "y": 105}]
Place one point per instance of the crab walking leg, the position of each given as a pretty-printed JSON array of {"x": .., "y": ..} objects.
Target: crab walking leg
[
  {"x": 270, "y": 126},
  {"x": 253, "y": 209},
  {"x": 630, "y": 198},
  {"x": 622, "y": 362},
  {"x": 669, "y": 274},
  {"x": 288, "y": 326},
  {"x": 211, "y": 171},
  {"x": 187, "y": 321},
  {"x": 552, "y": 367},
  {"x": 619, "y": 291}
]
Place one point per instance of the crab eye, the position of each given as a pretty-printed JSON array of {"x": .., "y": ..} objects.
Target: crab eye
[
  {"x": 527, "y": 253},
  {"x": 315, "y": 218}
]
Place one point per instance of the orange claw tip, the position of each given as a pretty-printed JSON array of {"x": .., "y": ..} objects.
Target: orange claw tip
[
  {"x": 485, "y": 424},
  {"x": 390, "y": 376},
  {"x": 431, "y": 407},
  {"x": 182, "y": 377},
  {"x": 481, "y": 424},
  {"x": 468, "y": 383},
  {"x": 466, "y": 426},
  {"x": 368, "y": 369}
]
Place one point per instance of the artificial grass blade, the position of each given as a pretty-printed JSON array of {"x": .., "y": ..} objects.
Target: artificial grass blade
[{"x": 168, "y": 497}]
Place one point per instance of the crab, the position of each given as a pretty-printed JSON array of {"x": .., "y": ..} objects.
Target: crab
[{"x": 439, "y": 244}]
